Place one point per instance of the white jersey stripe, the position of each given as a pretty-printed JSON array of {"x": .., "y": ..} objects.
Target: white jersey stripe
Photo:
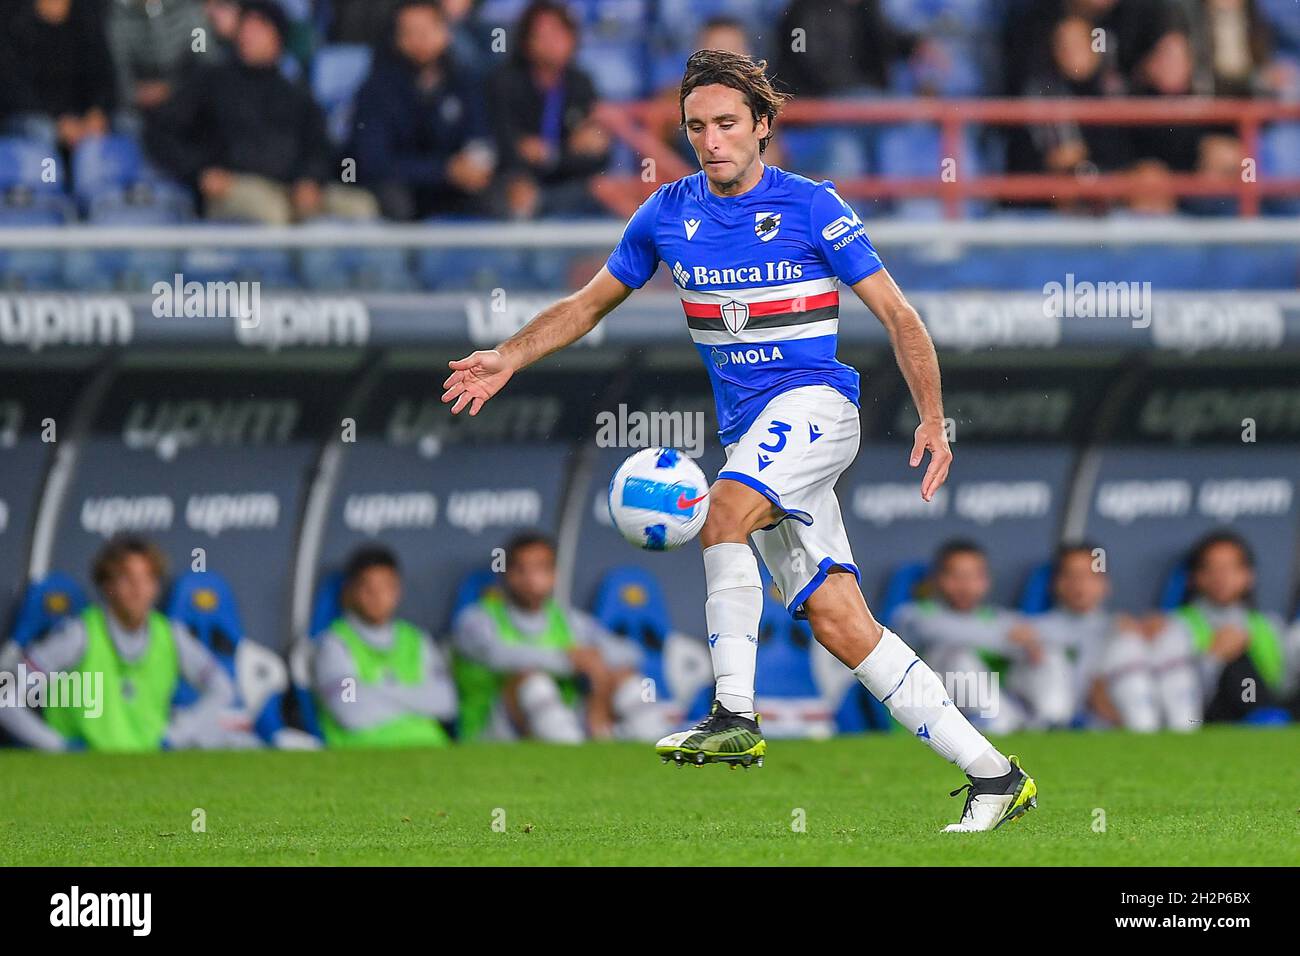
[
  {"x": 766, "y": 293},
  {"x": 784, "y": 333}
]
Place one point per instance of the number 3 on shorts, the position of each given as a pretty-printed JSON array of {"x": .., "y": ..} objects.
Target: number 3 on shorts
[{"x": 779, "y": 431}]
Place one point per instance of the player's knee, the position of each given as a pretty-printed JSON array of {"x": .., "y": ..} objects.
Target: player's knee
[{"x": 735, "y": 512}]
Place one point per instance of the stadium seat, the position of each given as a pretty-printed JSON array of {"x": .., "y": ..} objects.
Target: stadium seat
[
  {"x": 618, "y": 68},
  {"x": 45, "y": 603},
  {"x": 471, "y": 588},
  {"x": 1173, "y": 593},
  {"x": 204, "y": 602},
  {"x": 29, "y": 167},
  {"x": 327, "y": 604},
  {"x": 901, "y": 588},
  {"x": 337, "y": 73},
  {"x": 1036, "y": 596}
]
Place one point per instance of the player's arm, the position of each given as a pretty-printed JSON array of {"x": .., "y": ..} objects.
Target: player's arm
[
  {"x": 920, "y": 367},
  {"x": 480, "y": 375}
]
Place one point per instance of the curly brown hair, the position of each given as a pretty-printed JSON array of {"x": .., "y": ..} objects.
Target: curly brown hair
[
  {"x": 741, "y": 73},
  {"x": 117, "y": 549}
]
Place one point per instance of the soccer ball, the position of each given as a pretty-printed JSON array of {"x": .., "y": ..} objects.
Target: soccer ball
[{"x": 658, "y": 499}]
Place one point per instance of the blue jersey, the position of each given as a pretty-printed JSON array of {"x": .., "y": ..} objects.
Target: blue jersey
[{"x": 757, "y": 275}]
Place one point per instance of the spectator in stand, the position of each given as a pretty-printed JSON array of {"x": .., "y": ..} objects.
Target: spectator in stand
[
  {"x": 223, "y": 25},
  {"x": 366, "y": 22},
  {"x": 252, "y": 143},
  {"x": 847, "y": 49},
  {"x": 56, "y": 73},
  {"x": 151, "y": 42},
  {"x": 1074, "y": 67},
  {"x": 541, "y": 105},
  {"x": 420, "y": 138},
  {"x": 1234, "y": 49}
]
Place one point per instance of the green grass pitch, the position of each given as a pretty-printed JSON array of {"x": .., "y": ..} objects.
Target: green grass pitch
[{"x": 1226, "y": 796}]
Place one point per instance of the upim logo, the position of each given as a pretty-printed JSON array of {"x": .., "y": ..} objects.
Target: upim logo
[
  {"x": 1098, "y": 300},
  {"x": 103, "y": 909}
]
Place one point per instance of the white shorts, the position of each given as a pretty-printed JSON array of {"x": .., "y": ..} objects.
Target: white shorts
[{"x": 793, "y": 454}]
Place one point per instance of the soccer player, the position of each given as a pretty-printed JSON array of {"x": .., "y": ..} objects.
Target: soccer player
[
  {"x": 137, "y": 657},
  {"x": 520, "y": 654},
  {"x": 756, "y": 253},
  {"x": 972, "y": 643},
  {"x": 381, "y": 681}
]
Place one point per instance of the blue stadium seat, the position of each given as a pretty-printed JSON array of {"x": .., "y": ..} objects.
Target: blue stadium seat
[
  {"x": 618, "y": 68},
  {"x": 337, "y": 73},
  {"x": 786, "y": 668},
  {"x": 45, "y": 603},
  {"x": 106, "y": 162},
  {"x": 204, "y": 602},
  {"x": 901, "y": 588},
  {"x": 1173, "y": 593},
  {"x": 1036, "y": 596},
  {"x": 630, "y": 602},
  {"x": 24, "y": 165},
  {"x": 327, "y": 605},
  {"x": 471, "y": 588}
]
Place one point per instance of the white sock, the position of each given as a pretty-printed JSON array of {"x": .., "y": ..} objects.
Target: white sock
[
  {"x": 732, "y": 610},
  {"x": 915, "y": 696}
]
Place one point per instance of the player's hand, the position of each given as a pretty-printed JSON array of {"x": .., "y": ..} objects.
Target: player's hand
[
  {"x": 930, "y": 435},
  {"x": 1026, "y": 638},
  {"x": 587, "y": 660},
  {"x": 475, "y": 379},
  {"x": 1229, "y": 643}
]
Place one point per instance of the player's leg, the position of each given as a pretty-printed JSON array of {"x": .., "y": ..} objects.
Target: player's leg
[
  {"x": 732, "y": 608},
  {"x": 998, "y": 790},
  {"x": 537, "y": 708}
]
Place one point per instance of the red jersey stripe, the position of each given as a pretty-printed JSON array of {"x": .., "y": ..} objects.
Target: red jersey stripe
[{"x": 806, "y": 303}]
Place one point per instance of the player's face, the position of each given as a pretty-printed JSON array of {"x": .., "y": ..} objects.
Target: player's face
[
  {"x": 1224, "y": 576},
  {"x": 722, "y": 131},
  {"x": 963, "y": 581},
  {"x": 375, "y": 594},
  {"x": 1078, "y": 587},
  {"x": 530, "y": 575},
  {"x": 132, "y": 591}
]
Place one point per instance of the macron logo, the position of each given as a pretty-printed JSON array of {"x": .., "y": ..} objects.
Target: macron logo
[{"x": 691, "y": 225}]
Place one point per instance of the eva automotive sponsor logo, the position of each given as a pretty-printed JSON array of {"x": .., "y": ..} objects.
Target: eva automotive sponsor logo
[
  {"x": 1223, "y": 499},
  {"x": 37, "y": 322}
]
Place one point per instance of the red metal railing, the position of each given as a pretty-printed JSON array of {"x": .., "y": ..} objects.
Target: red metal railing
[{"x": 637, "y": 124}]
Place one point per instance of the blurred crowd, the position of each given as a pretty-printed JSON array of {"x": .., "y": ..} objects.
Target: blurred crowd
[
  {"x": 284, "y": 110},
  {"x": 516, "y": 662}
]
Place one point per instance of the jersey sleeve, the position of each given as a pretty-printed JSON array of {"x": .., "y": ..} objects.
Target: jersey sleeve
[
  {"x": 636, "y": 257},
  {"x": 842, "y": 236}
]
